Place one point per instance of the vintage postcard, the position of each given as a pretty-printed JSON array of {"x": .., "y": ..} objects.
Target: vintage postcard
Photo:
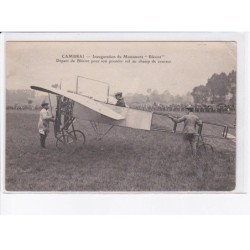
[{"x": 121, "y": 116}]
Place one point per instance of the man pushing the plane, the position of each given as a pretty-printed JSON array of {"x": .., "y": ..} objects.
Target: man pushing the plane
[{"x": 189, "y": 130}]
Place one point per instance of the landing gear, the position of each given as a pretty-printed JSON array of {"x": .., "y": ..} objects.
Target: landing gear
[
  {"x": 68, "y": 138},
  {"x": 204, "y": 160},
  {"x": 78, "y": 138},
  {"x": 71, "y": 141},
  {"x": 204, "y": 149}
]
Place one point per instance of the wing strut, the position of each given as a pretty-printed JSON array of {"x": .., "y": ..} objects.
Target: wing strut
[
  {"x": 50, "y": 104},
  {"x": 99, "y": 133}
]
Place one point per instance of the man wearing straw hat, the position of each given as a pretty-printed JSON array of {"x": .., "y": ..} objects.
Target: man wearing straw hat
[
  {"x": 189, "y": 130},
  {"x": 43, "y": 123}
]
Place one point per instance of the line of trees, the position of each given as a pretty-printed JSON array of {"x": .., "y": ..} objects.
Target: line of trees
[{"x": 220, "y": 88}]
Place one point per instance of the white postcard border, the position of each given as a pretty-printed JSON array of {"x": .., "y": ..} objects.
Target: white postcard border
[{"x": 138, "y": 203}]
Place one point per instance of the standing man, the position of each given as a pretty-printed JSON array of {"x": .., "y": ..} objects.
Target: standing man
[
  {"x": 120, "y": 101},
  {"x": 189, "y": 131},
  {"x": 43, "y": 123}
]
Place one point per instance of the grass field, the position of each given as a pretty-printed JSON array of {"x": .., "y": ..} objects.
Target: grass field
[{"x": 125, "y": 160}]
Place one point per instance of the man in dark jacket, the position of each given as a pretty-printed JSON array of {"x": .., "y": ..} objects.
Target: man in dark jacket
[
  {"x": 120, "y": 101},
  {"x": 189, "y": 130}
]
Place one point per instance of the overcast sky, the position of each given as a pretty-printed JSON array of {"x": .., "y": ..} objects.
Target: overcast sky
[{"x": 192, "y": 63}]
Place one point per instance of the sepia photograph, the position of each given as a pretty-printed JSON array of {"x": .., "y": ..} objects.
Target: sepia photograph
[{"x": 120, "y": 116}]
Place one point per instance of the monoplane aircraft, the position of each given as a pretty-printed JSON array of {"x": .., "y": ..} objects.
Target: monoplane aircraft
[{"x": 74, "y": 105}]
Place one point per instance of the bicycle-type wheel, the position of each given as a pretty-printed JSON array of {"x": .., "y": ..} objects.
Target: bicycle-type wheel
[
  {"x": 204, "y": 149},
  {"x": 71, "y": 141},
  {"x": 77, "y": 137}
]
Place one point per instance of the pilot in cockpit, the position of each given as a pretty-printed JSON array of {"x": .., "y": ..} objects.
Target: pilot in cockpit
[{"x": 120, "y": 101}]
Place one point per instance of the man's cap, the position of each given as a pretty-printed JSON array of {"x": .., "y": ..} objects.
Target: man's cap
[
  {"x": 44, "y": 103},
  {"x": 118, "y": 93},
  {"x": 188, "y": 107}
]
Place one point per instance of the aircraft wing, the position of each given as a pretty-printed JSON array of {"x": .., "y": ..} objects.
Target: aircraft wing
[{"x": 85, "y": 101}]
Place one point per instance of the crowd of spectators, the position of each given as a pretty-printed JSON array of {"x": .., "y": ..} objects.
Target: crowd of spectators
[
  {"x": 220, "y": 108},
  {"x": 23, "y": 107}
]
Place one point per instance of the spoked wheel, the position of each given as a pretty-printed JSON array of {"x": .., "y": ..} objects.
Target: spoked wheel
[
  {"x": 71, "y": 141},
  {"x": 204, "y": 159},
  {"x": 64, "y": 144},
  {"x": 205, "y": 150},
  {"x": 78, "y": 138}
]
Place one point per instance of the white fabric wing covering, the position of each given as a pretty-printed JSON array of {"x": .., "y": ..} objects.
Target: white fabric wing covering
[{"x": 87, "y": 102}]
